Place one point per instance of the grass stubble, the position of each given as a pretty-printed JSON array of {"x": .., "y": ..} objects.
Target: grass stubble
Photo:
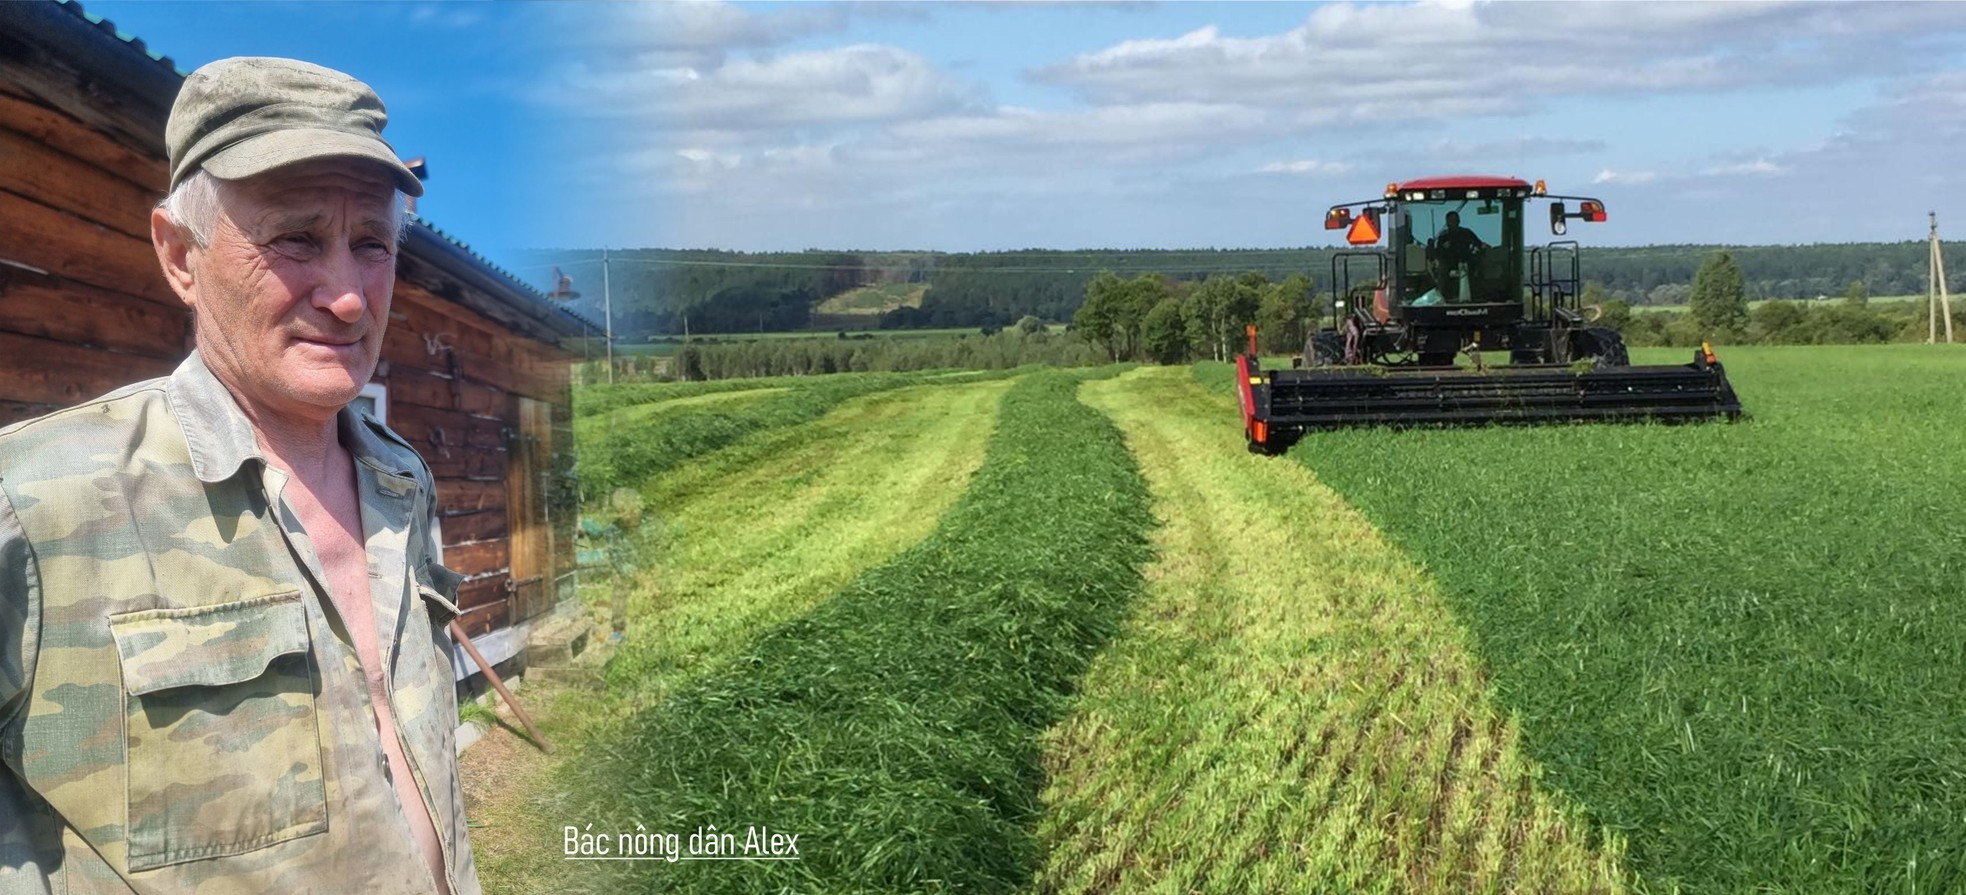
[{"x": 1291, "y": 707}]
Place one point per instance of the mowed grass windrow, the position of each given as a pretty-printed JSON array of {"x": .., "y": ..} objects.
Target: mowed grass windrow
[
  {"x": 744, "y": 539},
  {"x": 631, "y": 432},
  {"x": 895, "y": 727},
  {"x": 1738, "y": 645},
  {"x": 1291, "y": 708}
]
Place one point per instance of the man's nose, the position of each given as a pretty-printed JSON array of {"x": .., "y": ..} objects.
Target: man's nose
[{"x": 340, "y": 291}]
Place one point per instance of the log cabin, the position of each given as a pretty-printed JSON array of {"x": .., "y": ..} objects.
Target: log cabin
[{"x": 473, "y": 369}]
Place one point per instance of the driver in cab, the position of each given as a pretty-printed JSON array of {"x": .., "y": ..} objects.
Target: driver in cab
[
  {"x": 1456, "y": 243},
  {"x": 1456, "y": 248}
]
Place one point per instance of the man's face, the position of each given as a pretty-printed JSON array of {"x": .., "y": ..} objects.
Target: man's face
[
  {"x": 1453, "y": 219},
  {"x": 292, "y": 295}
]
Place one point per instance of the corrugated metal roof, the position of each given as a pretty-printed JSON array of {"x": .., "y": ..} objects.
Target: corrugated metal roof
[{"x": 168, "y": 68}]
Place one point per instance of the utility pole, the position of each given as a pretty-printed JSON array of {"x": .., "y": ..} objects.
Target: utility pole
[
  {"x": 1938, "y": 304},
  {"x": 607, "y": 310}
]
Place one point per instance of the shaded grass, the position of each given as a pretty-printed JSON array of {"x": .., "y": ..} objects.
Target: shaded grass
[
  {"x": 757, "y": 533},
  {"x": 894, "y": 728},
  {"x": 1737, "y": 645},
  {"x": 1291, "y": 708}
]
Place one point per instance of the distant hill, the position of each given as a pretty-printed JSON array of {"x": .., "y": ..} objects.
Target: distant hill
[{"x": 662, "y": 291}]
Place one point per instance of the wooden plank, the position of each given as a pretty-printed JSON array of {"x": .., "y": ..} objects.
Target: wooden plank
[
  {"x": 70, "y": 247},
  {"x": 478, "y": 557},
  {"x": 459, "y": 496},
  {"x": 44, "y": 371},
  {"x": 463, "y": 527},
  {"x": 66, "y": 134},
  {"x": 482, "y": 464},
  {"x": 111, "y": 102},
  {"x": 33, "y": 169},
  {"x": 482, "y": 592},
  {"x": 410, "y": 383},
  {"x": 486, "y": 619},
  {"x": 52, "y": 307},
  {"x": 12, "y": 412},
  {"x": 406, "y": 340},
  {"x": 432, "y": 431}
]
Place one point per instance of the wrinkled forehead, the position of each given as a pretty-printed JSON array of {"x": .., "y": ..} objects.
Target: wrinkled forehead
[{"x": 314, "y": 186}]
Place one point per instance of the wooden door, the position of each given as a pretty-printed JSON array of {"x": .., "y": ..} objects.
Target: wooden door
[{"x": 527, "y": 466}]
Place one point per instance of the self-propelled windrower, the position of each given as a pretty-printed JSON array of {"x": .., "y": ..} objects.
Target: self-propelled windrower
[{"x": 1450, "y": 276}]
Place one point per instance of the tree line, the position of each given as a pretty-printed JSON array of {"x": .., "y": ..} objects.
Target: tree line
[
  {"x": 1718, "y": 309},
  {"x": 661, "y": 292}
]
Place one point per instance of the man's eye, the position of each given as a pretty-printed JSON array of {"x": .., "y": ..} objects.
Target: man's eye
[
  {"x": 373, "y": 248},
  {"x": 295, "y": 241}
]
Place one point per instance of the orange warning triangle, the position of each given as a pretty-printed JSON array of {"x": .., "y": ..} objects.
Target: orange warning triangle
[{"x": 1364, "y": 231}]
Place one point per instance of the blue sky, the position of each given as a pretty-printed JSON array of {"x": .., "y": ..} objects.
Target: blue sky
[
  {"x": 455, "y": 78},
  {"x": 998, "y": 126}
]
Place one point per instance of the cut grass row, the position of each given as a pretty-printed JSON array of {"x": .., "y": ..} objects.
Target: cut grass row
[
  {"x": 756, "y": 534},
  {"x": 1737, "y": 645},
  {"x": 895, "y": 727},
  {"x": 1291, "y": 708},
  {"x": 617, "y": 451}
]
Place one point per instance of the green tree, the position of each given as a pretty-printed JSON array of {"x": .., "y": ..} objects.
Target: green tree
[
  {"x": 1774, "y": 322},
  {"x": 1283, "y": 314},
  {"x": 1097, "y": 320},
  {"x": 1719, "y": 303},
  {"x": 1164, "y": 334},
  {"x": 1856, "y": 296},
  {"x": 1029, "y": 325}
]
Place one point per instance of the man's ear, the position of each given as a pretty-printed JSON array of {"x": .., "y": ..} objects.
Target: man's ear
[{"x": 174, "y": 247}]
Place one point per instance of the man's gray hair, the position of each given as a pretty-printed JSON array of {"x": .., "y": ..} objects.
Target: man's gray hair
[{"x": 194, "y": 206}]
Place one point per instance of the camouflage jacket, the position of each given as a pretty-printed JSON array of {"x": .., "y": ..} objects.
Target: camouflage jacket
[{"x": 180, "y": 708}]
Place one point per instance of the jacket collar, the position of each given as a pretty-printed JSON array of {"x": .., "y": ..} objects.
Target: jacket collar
[{"x": 220, "y": 439}]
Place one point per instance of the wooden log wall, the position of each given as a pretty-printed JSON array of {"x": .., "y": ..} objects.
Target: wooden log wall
[{"x": 84, "y": 309}]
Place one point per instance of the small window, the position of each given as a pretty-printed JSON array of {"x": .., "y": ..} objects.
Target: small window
[{"x": 374, "y": 401}]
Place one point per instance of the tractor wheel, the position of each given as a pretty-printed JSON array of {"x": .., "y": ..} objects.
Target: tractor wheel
[
  {"x": 1324, "y": 349},
  {"x": 1603, "y": 345}
]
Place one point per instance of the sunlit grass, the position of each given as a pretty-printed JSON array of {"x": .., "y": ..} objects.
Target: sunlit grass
[
  {"x": 1292, "y": 707},
  {"x": 756, "y": 533},
  {"x": 1739, "y": 646}
]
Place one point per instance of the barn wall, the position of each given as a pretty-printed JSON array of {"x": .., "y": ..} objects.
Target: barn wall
[{"x": 84, "y": 310}]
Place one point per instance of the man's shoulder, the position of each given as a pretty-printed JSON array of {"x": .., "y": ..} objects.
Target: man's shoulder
[
  {"x": 399, "y": 451},
  {"x": 119, "y": 423}
]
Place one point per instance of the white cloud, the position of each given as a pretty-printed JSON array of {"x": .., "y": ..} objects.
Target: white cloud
[
  {"x": 1371, "y": 63},
  {"x": 1760, "y": 166},
  {"x": 859, "y": 84},
  {"x": 1628, "y": 177},
  {"x": 1304, "y": 166}
]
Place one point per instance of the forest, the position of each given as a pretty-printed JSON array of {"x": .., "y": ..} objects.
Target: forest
[{"x": 664, "y": 292}]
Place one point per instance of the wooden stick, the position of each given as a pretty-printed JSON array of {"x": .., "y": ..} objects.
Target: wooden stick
[{"x": 471, "y": 649}]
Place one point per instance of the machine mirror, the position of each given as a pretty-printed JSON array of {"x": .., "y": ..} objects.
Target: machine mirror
[
  {"x": 1559, "y": 219},
  {"x": 1337, "y": 218}
]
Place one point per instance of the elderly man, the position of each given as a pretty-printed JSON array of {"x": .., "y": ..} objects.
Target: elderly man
[{"x": 223, "y": 656}]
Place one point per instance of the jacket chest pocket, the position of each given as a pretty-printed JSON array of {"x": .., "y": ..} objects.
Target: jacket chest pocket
[{"x": 224, "y": 745}]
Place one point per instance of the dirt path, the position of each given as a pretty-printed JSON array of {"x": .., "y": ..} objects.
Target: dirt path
[
  {"x": 1292, "y": 709},
  {"x": 759, "y": 533}
]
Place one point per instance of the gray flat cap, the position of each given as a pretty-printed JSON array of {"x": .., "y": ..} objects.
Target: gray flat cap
[{"x": 250, "y": 114}]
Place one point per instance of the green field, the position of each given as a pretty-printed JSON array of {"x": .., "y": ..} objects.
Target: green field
[
  {"x": 1826, "y": 300},
  {"x": 874, "y": 301},
  {"x": 1737, "y": 645},
  {"x": 1054, "y": 631}
]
